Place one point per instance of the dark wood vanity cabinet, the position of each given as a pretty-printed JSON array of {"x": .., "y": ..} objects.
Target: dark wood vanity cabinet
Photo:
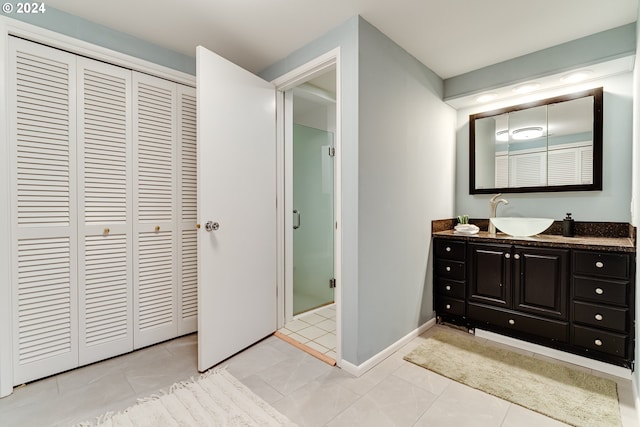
[
  {"x": 519, "y": 289},
  {"x": 574, "y": 300},
  {"x": 602, "y": 303}
]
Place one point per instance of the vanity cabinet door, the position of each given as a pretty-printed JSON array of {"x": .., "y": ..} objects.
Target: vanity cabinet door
[
  {"x": 490, "y": 274},
  {"x": 541, "y": 278}
]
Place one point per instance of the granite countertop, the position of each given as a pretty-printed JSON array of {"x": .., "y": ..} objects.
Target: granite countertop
[{"x": 593, "y": 236}]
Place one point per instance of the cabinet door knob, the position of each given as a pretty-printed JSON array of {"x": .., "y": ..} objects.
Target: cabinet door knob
[
  {"x": 599, "y": 291},
  {"x": 598, "y": 343},
  {"x": 448, "y": 268},
  {"x": 516, "y": 256},
  {"x": 448, "y": 306},
  {"x": 448, "y": 287},
  {"x": 507, "y": 256},
  {"x": 448, "y": 249},
  {"x": 599, "y": 264},
  {"x": 512, "y": 322},
  {"x": 598, "y": 316}
]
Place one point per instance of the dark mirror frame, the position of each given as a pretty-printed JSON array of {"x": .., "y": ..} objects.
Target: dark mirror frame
[{"x": 597, "y": 94}]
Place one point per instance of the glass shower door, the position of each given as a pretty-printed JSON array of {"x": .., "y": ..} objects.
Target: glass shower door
[{"x": 312, "y": 218}]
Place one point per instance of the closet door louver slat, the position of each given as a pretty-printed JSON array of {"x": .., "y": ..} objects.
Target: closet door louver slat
[
  {"x": 106, "y": 210},
  {"x": 187, "y": 188},
  {"x": 44, "y": 223},
  {"x": 155, "y": 230}
]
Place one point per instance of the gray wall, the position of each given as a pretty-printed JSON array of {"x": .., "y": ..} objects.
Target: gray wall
[
  {"x": 397, "y": 172},
  {"x": 611, "y": 204},
  {"x": 81, "y": 29}
]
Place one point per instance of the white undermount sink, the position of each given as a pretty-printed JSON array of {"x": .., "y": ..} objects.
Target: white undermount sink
[{"x": 521, "y": 227}]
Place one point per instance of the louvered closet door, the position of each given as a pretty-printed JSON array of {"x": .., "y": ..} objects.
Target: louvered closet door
[
  {"x": 105, "y": 214},
  {"x": 44, "y": 287},
  {"x": 155, "y": 224},
  {"x": 188, "y": 197}
]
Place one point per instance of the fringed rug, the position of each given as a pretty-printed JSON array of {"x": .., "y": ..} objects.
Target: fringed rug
[
  {"x": 569, "y": 395},
  {"x": 215, "y": 399}
]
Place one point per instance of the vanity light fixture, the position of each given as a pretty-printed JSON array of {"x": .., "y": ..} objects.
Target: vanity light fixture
[
  {"x": 576, "y": 76},
  {"x": 486, "y": 97},
  {"x": 502, "y": 135},
  {"x": 531, "y": 132},
  {"x": 526, "y": 88}
]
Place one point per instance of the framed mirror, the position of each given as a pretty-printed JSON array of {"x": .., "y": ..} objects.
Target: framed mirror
[{"x": 550, "y": 145}]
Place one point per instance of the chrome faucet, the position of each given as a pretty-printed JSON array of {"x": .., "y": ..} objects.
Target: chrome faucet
[{"x": 493, "y": 205}]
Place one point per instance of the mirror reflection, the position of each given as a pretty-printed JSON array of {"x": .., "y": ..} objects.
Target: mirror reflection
[{"x": 550, "y": 145}]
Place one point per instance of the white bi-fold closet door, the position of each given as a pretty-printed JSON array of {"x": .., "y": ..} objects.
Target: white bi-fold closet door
[{"x": 103, "y": 246}]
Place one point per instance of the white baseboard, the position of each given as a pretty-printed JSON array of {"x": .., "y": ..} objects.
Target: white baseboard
[
  {"x": 585, "y": 362},
  {"x": 358, "y": 370}
]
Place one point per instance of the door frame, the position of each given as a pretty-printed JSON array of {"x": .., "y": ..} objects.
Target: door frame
[{"x": 284, "y": 183}]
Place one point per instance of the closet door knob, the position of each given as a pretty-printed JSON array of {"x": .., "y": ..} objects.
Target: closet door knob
[
  {"x": 448, "y": 306},
  {"x": 598, "y": 316},
  {"x": 598, "y": 343},
  {"x": 512, "y": 322},
  {"x": 106, "y": 231},
  {"x": 448, "y": 268},
  {"x": 599, "y": 264},
  {"x": 507, "y": 256},
  {"x": 448, "y": 249},
  {"x": 448, "y": 287},
  {"x": 599, "y": 291},
  {"x": 516, "y": 256},
  {"x": 198, "y": 226},
  {"x": 157, "y": 228}
]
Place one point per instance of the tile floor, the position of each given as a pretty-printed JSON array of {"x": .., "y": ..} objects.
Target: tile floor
[
  {"x": 308, "y": 391},
  {"x": 315, "y": 329}
]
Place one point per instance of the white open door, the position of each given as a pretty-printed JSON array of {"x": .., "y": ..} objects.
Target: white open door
[{"x": 236, "y": 207}]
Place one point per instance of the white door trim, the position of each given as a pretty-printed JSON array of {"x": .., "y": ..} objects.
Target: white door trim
[{"x": 289, "y": 80}]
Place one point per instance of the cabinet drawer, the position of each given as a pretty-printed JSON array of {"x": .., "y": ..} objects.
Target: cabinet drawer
[
  {"x": 450, "y": 269},
  {"x": 449, "y": 306},
  {"x": 450, "y": 288},
  {"x": 601, "y": 316},
  {"x": 450, "y": 249},
  {"x": 605, "y": 342},
  {"x": 531, "y": 325},
  {"x": 601, "y": 264},
  {"x": 600, "y": 291}
]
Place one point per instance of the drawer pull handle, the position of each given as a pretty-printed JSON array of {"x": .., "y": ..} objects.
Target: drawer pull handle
[
  {"x": 512, "y": 322},
  {"x": 599, "y": 264},
  {"x": 448, "y": 249},
  {"x": 448, "y": 268},
  {"x": 599, "y": 291},
  {"x": 598, "y": 343},
  {"x": 448, "y": 287},
  {"x": 448, "y": 307},
  {"x": 507, "y": 256},
  {"x": 598, "y": 316}
]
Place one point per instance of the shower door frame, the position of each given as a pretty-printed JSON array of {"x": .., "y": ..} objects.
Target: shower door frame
[{"x": 284, "y": 173}]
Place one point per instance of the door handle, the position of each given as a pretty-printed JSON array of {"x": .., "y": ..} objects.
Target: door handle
[
  {"x": 211, "y": 226},
  {"x": 296, "y": 223}
]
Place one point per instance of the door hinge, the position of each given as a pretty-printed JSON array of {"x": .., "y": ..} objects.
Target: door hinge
[
  {"x": 332, "y": 283},
  {"x": 332, "y": 151}
]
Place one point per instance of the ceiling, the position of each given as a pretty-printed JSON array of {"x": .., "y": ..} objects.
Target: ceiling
[{"x": 451, "y": 37}]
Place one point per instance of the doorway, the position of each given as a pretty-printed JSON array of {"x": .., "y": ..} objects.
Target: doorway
[{"x": 310, "y": 185}]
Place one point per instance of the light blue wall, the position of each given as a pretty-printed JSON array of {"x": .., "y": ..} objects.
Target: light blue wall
[
  {"x": 81, "y": 29},
  {"x": 635, "y": 217},
  {"x": 406, "y": 161},
  {"x": 397, "y": 175},
  {"x": 606, "y": 45}
]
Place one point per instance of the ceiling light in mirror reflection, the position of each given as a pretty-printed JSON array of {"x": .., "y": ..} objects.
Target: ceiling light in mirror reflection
[
  {"x": 527, "y": 133},
  {"x": 577, "y": 76},
  {"x": 487, "y": 97},
  {"x": 527, "y": 88}
]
